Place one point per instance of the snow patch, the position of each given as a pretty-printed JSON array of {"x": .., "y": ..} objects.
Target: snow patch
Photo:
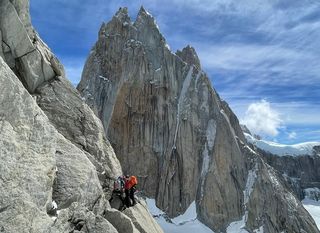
[
  {"x": 313, "y": 207},
  {"x": 282, "y": 149},
  {"x": 189, "y": 215},
  {"x": 196, "y": 81},
  {"x": 157, "y": 70},
  {"x": 273, "y": 178},
  {"x": 260, "y": 230},
  {"x": 211, "y": 133},
  {"x": 204, "y": 169},
  {"x": 185, "y": 86},
  {"x": 104, "y": 78},
  {"x": 185, "y": 223},
  {"x": 238, "y": 226},
  {"x": 252, "y": 176}
]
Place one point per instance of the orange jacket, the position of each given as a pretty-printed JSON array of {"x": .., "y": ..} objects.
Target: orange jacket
[{"x": 131, "y": 182}]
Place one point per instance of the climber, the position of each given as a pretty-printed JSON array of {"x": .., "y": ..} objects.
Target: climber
[
  {"x": 133, "y": 183},
  {"x": 127, "y": 191},
  {"x": 118, "y": 190},
  {"x": 130, "y": 188}
]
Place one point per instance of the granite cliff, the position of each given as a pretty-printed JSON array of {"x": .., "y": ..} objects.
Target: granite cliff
[
  {"x": 52, "y": 146},
  {"x": 169, "y": 126}
]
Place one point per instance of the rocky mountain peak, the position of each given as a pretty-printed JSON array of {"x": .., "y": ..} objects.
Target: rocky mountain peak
[
  {"x": 144, "y": 16},
  {"x": 190, "y": 56},
  {"x": 122, "y": 14},
  {"x": 164, "y": 120},
  {"x": 147, "y": 21}
]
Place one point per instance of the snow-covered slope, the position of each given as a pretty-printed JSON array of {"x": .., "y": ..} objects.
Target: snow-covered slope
[
  {"x": 281, "y": 149},
  {"x": 313, "y": 207},
  {"x": 186, "y": 223}
]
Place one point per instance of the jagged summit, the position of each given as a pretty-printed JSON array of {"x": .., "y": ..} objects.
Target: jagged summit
[
  {"x": 190, "y": 56},
  {"x": 169, "y": 127}
]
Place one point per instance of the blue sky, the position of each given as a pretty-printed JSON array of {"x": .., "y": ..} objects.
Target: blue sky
[{"x": 262, "y": 56}]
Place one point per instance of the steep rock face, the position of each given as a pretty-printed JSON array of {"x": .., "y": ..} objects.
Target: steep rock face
[
  {"x": 162, "y": 115},
  {"x": 269, "y": 203},
  {"x": 189, "y": 55},
  {"x": 75, "y": 120},
  {"x": 28, "y": 163},
  {"x": 169, "y": 127},
  {"x": 301, "y": 172},
  {"x": 60, "y": 158},
  {"x": 32, "y": 161}
]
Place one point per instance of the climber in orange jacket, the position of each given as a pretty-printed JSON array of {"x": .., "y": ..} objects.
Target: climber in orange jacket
[{"x": 130, "y": 188}]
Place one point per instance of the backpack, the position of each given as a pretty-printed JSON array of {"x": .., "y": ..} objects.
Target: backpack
[{"x": 118, "y": 184}]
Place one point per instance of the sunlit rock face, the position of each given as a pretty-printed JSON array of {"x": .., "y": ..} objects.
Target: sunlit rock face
[
  {"x": 169, "y": 127},
  {"x": 52, "y": 146}
]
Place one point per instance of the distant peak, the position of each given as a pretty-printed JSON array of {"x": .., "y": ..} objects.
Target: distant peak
[
  {"x": 122, "y": 14},
  {"x": 145, "y": 19},
  {"x": 143, "y": 12},
  {"x": 189, "y": 55}
]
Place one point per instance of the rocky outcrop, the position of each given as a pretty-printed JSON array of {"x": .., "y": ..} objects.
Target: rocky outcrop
[
  {"x": 52, "y": 145},
  {"x": 189, "y": 55},
  {"x": 75, "y": 121},
  {"x": 297, "y": 164},
  {"x": 279, "y": 210},
  {"x": 22, "y": 48},
  {"x": 301, "y": 172},
  {"x": 138, "y": 215},
  {"x": 28, "y": 163},
  {"x": 168, "y": 126},
  {"x": 37, "y": 162}
]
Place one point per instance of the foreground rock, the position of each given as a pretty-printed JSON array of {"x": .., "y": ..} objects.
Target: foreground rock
[
  {"x": 28, "y": 162},
  {"x": 169, "y": 126},
  {"x": 58, "y": 151},
  {"x": 75, "y": 120},
  {"x": 22, "y": 48}
]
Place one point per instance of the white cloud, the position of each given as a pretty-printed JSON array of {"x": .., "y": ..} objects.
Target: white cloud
[
  {"x": 292, "y": 135},
  {"x": 261, "y": 119}
]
